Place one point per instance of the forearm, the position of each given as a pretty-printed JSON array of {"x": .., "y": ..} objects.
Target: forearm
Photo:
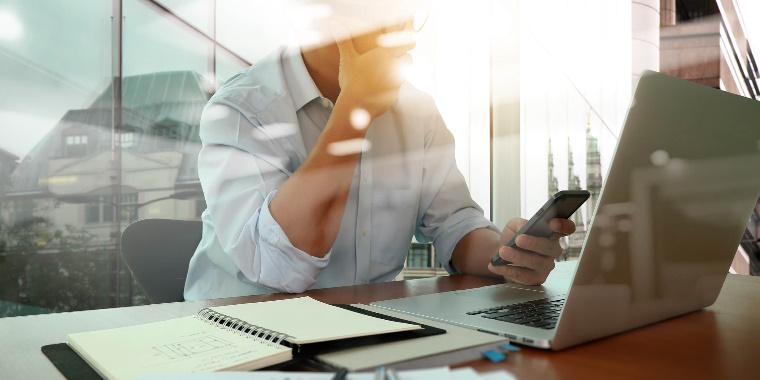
[
  {"x": 310, "y": 204},
  {"x": 474, "y": 251}
]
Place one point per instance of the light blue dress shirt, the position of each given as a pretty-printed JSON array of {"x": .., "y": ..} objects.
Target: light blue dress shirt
[{"x": 257, "y": 130}]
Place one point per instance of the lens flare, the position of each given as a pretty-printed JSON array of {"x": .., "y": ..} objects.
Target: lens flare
[
  {"x": 360, "y": 119},
  {"x": 10, "y": 26},
  {"x": 348, "y": 147}
]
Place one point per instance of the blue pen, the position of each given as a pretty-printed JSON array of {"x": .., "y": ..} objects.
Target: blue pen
[{"x": 380, "y": 373}]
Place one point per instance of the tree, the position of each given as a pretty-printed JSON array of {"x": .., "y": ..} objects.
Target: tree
[
  {"x": 18, "y": 243},
  {"x": 43, "y": 269}
]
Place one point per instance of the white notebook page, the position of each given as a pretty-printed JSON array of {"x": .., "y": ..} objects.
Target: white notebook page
[
  {"x": 308, "y": 320},
  {"x": 177, "y": 345}
]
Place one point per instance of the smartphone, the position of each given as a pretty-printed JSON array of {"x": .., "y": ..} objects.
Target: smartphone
[{"x": 560, "y": 205}]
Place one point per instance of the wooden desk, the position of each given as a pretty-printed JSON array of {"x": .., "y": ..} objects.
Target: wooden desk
[{"x": 719, "y": 342}]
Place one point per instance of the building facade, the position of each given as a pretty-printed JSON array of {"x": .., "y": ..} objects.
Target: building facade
[{"x": 704, "y": 41}]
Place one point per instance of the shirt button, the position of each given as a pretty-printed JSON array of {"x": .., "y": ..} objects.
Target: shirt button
[
  {"x": 325, "y": 102},
  {"x": 365, "y": 177},
  {"x": 364, "y": 230}
]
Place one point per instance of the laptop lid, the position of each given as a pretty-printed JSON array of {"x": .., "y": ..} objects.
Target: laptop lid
[{"x": 681, "y": 187}]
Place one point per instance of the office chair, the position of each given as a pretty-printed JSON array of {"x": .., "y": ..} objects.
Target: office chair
[{"x": 158, "y": 252}]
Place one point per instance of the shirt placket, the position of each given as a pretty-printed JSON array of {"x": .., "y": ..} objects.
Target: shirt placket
[{"x": 364, "y": 216}]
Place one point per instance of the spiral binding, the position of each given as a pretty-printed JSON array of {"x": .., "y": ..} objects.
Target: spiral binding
[{"x": 239, "y": 326}]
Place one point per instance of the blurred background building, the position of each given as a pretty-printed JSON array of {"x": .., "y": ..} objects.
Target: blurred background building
[
  {"x": 100, "y": 106},
  {"x": 706, "y": 41}
]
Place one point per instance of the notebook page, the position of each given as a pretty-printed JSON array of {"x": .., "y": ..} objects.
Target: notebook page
[
  {"x": 177, "y": 345},
  {"x": 307, "y": 320}
]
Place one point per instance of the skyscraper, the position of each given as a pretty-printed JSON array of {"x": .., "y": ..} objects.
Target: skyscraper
[
  {"x": 553, "y": 186},
  {"x": 593, "y": 170},
  {"x": 574, "y": 241}
]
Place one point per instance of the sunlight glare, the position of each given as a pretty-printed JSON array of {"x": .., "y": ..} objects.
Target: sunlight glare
[{"x": 10, "y": 26}]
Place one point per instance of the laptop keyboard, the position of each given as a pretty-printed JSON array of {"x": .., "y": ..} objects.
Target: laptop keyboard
[{"x": 542, "y": 313}]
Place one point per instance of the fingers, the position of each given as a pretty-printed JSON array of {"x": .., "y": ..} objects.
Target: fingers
[
  {"x": 515, "y": 224},
  {"x": 562, "y": 227},
  {"x": 519, "y": 275},
  {"x": 533, "y": 260},
  {"x": 544, "y": 246},
  {"x": 403, "y": 41},
  {"x": 343, "y": 40},
  {"x": 398, "y": 50},
  {"x": 530, "y": 260},
  {"x": 510, "y": 229}
]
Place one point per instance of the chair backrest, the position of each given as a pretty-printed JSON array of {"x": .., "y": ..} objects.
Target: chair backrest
[{"x": 158, "y": 253}]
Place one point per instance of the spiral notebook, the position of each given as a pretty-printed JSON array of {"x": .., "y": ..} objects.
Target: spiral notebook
[{"x": 235, "y": 337}]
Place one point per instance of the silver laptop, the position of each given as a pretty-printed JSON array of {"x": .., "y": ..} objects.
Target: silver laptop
[{"x": 680, "y": 189}]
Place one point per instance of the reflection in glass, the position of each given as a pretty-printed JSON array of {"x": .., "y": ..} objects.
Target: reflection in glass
[
  {"x": 48, "y": 259},
  {"x": 665, "y": 233},
  {"x": 227, "y": 65},
  {"x": 59, "y": 205},
  {"x": 197, "y": 13}
]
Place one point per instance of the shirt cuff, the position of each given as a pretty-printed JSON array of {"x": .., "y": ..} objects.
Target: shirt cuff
[
  {"x": 453, "y": 230},
  {"x": 284, "y": 267}
]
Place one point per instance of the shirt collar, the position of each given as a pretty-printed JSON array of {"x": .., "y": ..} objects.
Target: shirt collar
[{"x": 300, "y": 85}]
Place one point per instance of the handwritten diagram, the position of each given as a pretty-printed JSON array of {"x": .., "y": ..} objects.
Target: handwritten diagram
[{"x": 192, "y": 347}]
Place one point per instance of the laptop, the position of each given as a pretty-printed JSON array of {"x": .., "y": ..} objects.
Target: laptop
[{"x": 680, "y": 189}]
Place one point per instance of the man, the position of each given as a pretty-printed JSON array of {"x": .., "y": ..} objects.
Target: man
[{"x": 318, "y": 164}]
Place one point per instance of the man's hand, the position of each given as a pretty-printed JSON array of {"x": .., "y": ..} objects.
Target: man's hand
[
  {"x": 532, "y": 263},
  {"x": 372, "y": 79}
]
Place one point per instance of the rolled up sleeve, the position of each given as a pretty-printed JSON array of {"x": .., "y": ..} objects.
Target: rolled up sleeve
[
  {"x": 447, "y": 211},
  {"x": 283, "y": 266},
  {"x": 240, "y": 172}
]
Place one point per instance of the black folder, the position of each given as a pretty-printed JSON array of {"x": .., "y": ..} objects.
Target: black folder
[{"x": 72, "y": 366}]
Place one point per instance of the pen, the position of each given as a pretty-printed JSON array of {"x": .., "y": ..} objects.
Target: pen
[
  {"x": 392, "y": 375},
  {"x": 341, "y": 374},
  {"x": 380, "y": 373}
]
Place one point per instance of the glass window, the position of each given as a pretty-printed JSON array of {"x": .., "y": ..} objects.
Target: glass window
[
  {"x": 92, "y": 212},
  {"x": 23, "y": 210},
  {"x": 75, "y": 146},
  {"x": 155, "y": 42},
  {"x": 227, "y": 65},
  {"x": 419, "y": 256},
  {"x": 167, "y": 135},
  {"x": 167, "y": 131},
  {"x": 61, "y": 74},
  {"x": 168, "y": 68},
  {"x": 100, "y": 209},
  {"x": 197, "y": 13},
  {"x": 570, "y": 113},
  {"x": 238, "y": 20},
  {"x": 129, "y": 207},
  {"x": 127, "y": 139},
  {"x": 108, "y": 207},
  {"x": 55, "y": 68}
]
